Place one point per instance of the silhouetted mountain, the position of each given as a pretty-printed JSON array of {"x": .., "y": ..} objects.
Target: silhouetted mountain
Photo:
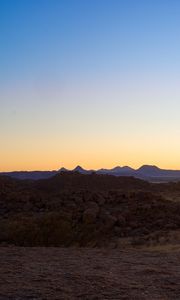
[
  {"x": 33, "y": 175},
  {"x": 149, "y": 170},
  {"x": 153, "y": 172},
  {"x": 79, "y": 169},
  {"x": 145, "y": 172},
  {"x": 118, "y": 171}
]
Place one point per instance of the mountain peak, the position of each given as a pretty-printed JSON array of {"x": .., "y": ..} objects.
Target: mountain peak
[
  {"x": 148, "y": 167},
  {"x": 149, "y": 170},
  {"x": 78, "y": 169},
  {"x": 116, "y": 168},
  {"x": 82, "y": 171},
  {"x": 127, "y": 168}
]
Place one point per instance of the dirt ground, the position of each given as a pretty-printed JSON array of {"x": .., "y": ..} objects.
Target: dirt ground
[{"x": 59, "y": 273}]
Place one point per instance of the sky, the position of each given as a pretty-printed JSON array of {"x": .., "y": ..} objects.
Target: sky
[{"x": 89, "y": 82}]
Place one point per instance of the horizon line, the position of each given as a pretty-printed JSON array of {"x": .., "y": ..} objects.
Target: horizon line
[{"x": 87, "y": 169}]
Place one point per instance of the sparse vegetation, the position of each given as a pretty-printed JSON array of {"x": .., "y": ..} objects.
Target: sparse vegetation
[{"x": 72, "y": 209}]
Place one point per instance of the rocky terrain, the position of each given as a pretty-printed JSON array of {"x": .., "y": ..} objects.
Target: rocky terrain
[
  {"x": 77, "y": 236},
  {"x": 73, "y": 209}
]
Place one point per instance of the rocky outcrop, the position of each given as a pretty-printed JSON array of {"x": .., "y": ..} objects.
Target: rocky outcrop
[
  {"x": 91, "y": 212},
  {"x": 32, "y": 216}
]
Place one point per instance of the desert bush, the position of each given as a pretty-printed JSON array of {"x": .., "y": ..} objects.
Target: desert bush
[{"x": 50, "y": 229}]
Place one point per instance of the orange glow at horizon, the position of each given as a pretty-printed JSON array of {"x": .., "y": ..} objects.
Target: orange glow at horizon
[{"x": 47, "y": 157}]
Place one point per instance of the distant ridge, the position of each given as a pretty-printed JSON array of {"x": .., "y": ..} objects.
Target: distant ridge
[{"x": 146, "y": 172}]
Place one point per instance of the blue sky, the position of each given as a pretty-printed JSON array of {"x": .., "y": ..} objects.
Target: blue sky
[
  {"x": 89, "y": 82},
  {"x": 67, "y": 37}
]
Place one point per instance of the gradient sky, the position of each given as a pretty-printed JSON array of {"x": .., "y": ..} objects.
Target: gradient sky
[{"x": 89, "y": 82}]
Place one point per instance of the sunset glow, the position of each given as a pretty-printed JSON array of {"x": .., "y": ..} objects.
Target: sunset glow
[{"x": 91, "y": 83}]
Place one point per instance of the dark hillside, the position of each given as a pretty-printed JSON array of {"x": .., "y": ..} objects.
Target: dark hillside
[
  {"x": 78, "y": 181},
  {"x": 72, "y": 209}
]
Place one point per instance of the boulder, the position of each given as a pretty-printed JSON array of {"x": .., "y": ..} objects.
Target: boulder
[{"x": 91, "y": 212}]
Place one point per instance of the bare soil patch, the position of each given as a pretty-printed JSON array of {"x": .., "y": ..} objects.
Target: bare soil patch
[{"x": 68, "y": 273}]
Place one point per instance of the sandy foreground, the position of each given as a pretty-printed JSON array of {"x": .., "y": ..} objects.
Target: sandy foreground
[{"x": 59, "y": 273}]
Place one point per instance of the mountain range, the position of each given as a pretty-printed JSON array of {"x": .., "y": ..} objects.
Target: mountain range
[{"x": 146, "y": 172}]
